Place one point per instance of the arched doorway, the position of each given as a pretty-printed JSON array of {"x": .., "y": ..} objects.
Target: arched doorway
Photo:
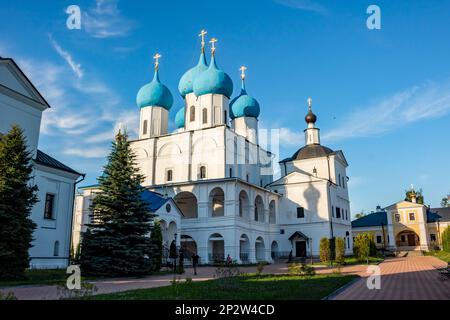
[
  {"x": 407, "y": 238},
  {"x": 187, "y": 202},
  {"x": 172, "y": 231},
  {"x": 217, "y": 202},
  {"x": 274, "y": 250},
  {"x": 272, "y": 212},
  {"x": 259, "y": 209},
  {"x": 260, "y": 249},
  {"x": 189, "y": 246},
  {"x": 243, "y": 205},
  {"x": 244, "y": 248},
  {"x": 216, "y": 248}
]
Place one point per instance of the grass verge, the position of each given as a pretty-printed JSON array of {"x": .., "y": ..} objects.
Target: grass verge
[
  {"x": 252, "y": 287},
  {"x": 443, "y": 255}
]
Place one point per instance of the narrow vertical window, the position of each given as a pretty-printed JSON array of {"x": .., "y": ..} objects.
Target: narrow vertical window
[
  {"x": 300, "y": 212},
  {"x": 169, "y": 175},
  {"x": 56, "y": 249},
  {"x": 205, "y": 115},
  {"x": 231, "y": 172},
  {"x": 144, "y": 127},
  {"x": 192, "y": 114},
  {"x": 339, "y": 180},
  {"x": 202, "y": 172},
  {"x": 49, "y": 204}
]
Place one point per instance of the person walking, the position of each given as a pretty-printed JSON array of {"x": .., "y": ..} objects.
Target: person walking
[
  {"x": 181, "y": 262},
  {"x": 229, "y": 260},
  {"x": 195, "y": 258}
]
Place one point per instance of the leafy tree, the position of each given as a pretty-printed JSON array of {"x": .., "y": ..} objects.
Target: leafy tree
[
  {"x": 446, "y": 239},
  {"x": 340, "y": 250},
  {"x": 360, "y": 215},
  {"x": 117, "y": 242},
  {"x": 17, "y": 197},
  {"x": 418, "y": 193},
  {"x": 156, "y": 240},
  {"x": 364, "y": 246},
  {"x": 445, "y": 202},
  {"x": 324, "y": 249}
]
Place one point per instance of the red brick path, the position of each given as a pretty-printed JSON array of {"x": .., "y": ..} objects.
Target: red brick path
[{"x": 409, "y": 278}]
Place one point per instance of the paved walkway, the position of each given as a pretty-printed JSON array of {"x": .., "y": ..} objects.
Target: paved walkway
[
  {"x": 399, "y": 281},
  {"x": 408, "y": 278}
]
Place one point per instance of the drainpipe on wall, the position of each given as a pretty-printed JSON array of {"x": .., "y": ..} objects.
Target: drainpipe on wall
[{"x": 83, "y": 176}]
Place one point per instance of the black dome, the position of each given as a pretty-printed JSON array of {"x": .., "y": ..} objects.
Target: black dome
[
  {"x": 311, "y": 151},
  {"x": 310, "y": 117}
]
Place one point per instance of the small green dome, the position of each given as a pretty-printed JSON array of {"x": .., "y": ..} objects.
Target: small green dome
[
  {"x": 243, "y": 105},
  {"x": 186, "y": 84},
  {"x": 154, "y": 94},
  {"x": 213, "y": 80},
  {"x": 180, "y": 118}
]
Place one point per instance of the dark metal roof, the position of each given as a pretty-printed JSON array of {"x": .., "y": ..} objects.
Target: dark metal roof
[
  {"x": 444, "y": 213},
  {"x": 45, "y": 160},
  {"x": 371, "y": 220},
  {"x": 310, "y": 151},
  {"x": 154, "y": 200}
]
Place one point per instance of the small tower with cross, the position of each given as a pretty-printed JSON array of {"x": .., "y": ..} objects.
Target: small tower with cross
[{"x": 311, "y": 132}]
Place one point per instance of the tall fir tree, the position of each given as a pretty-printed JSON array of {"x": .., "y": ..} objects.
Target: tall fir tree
[
  {"x": 17, "y": 197},
  {"x": 117, "y": 242}
]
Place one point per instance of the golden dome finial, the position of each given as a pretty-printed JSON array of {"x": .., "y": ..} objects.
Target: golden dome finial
[
  {"x": 156, "y": 57},
  {"x": 309, "y": 103},
  {"x": 213, "y": 45},
  {"x": 202, "y": 35},
  {"x": 242, "y": 69}
]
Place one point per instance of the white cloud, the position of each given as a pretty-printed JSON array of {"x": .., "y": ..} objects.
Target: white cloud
[
  {"x": 76, "y": 67},
  {"x": 306, "y": 5},
  {"x": 291, "y": 138},
  {"x": 426, "y": 101},
  {"x": 105, "y": 20},
  {"x": 87, "y": 153}
]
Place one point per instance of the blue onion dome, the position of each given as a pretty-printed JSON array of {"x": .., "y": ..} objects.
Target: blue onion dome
[
  {"x": 186, "y": 84},
  {"x": 243, "y": 105},
  {"x": 180, "y": 118},
  {"x": 155, "y": 94},
  {"x": 213, "y": 80}
]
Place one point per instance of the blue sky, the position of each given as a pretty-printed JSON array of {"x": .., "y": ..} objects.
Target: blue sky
[{"x": 382, "y": 96}]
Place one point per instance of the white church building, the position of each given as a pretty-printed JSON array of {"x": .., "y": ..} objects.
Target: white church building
[
  {"x": 221, "y": 178},
  {"x": 22, "y": 104}
]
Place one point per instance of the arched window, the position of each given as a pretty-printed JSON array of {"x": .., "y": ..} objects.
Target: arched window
[
  {"x": 56, "y": 249},
  {"x": 203, "y": 172},
  {"x": 192, "y": 114},
  {"x": 169, "y": 175},
  {"x": 204, "y": 115},
  {"x": 144, "y": 127}
]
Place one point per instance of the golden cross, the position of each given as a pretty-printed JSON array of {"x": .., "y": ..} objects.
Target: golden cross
[
  {"x": 243, "y": 68},
  {"x": 202, "y": 34},
  {"x": 156, "y": 58},
  {"x": 309, "y": 103},
  {"x": 213, "y": 44}
]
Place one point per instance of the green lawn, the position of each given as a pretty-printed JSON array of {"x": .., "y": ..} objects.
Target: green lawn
[
  {"x": 443, "y": 255},
  {"x": 352, "y": 261},
  {"x": 37, "y": 276},
  {"x": 241, "y": 287},
  {"x": 51, "y": 276}
]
